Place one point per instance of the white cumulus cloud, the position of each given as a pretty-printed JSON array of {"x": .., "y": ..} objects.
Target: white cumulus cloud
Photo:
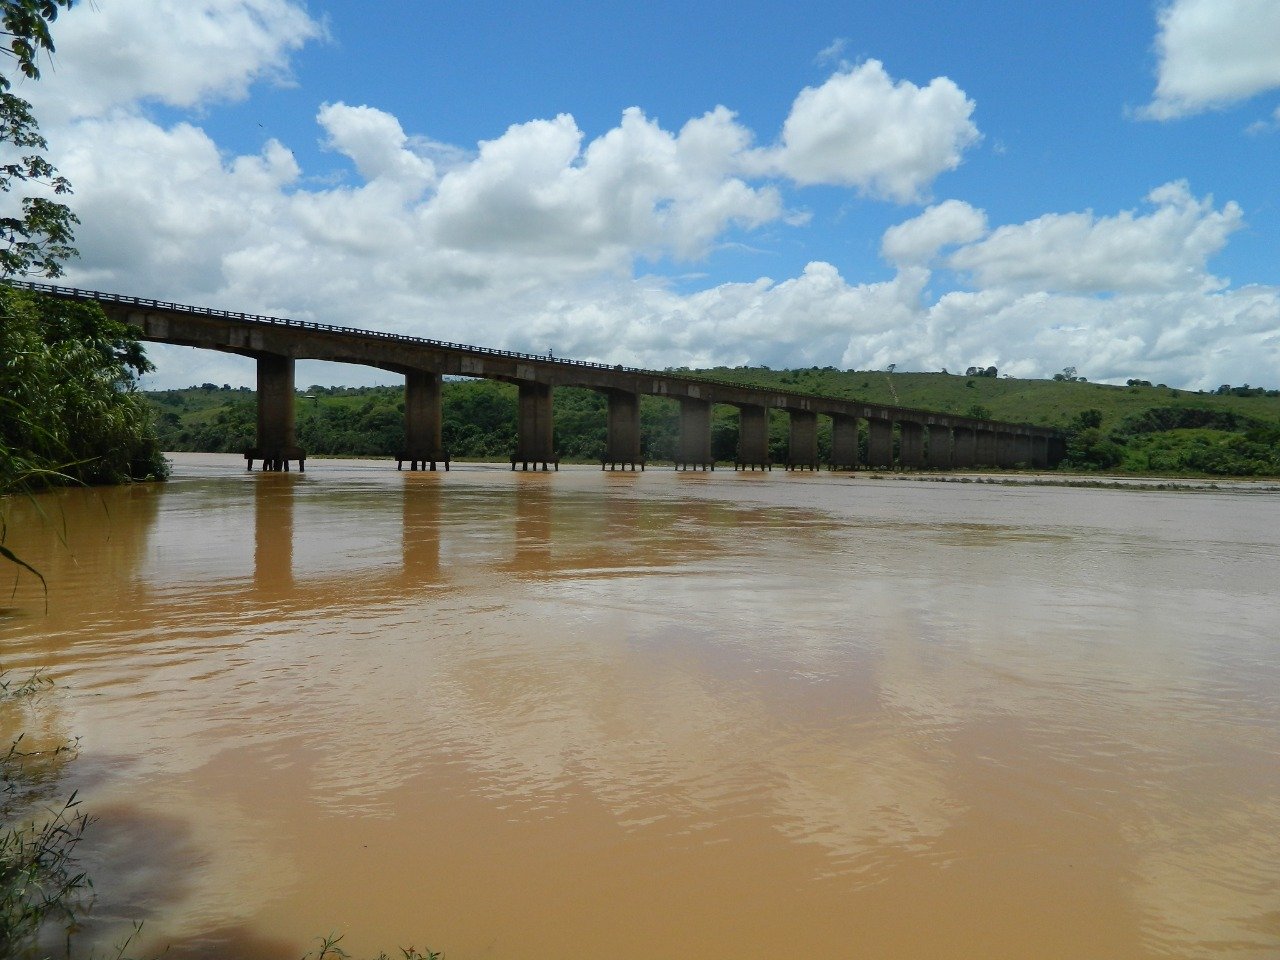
[
  {"x": 539, "y": 236},
  {"x": 946, "y": 224},
  {"x": 1166, "y": 249},
  {"x": 863, "y": 129},
  {"x": 1213, "y": 53},
  {"x": 182, "y": 53}
]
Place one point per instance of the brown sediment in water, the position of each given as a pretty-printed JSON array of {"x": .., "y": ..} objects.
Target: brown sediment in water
[{"x": 589, "y": 715}]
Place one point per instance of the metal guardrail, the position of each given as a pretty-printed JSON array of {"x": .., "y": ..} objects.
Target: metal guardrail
[{"x": 77, "y": 293}]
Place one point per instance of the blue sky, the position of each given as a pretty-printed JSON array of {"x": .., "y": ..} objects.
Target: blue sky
[{"x": 933, "y": 184}]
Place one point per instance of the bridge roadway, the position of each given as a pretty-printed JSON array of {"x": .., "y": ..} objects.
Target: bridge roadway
[{"x": 925, "y": 440}]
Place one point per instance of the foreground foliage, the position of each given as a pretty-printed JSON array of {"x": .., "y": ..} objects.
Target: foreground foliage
[
  {"x": 69, "y": 410},
  {"x": 40, "y": 882}
]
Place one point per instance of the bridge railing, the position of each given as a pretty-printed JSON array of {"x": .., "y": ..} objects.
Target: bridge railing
[{"x": 78, "y": 293}]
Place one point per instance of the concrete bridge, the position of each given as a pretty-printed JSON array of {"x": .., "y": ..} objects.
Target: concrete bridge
[{"x": 925, "y": 440}]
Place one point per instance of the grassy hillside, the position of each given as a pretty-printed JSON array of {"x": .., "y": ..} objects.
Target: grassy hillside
[
  {"x": 1140, "y": 429},
  {"x": 1043, "y": 402}
]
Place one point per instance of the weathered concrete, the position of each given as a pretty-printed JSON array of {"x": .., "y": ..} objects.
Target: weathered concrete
[
  {"x": 1039, "y": 452},
  {"x": 802, "y": 440},
  {"x": 534, "y": 445},
  {"x": 422, "y": 420},
  {"x": 844, "y": 442},
  {"x": 911, "y": 444},
  {"x": 938, "y": 451},
  {"x": 1006, "y": 453},
  {"x": 987, "y": 453},
  {"x": 1057, "y": 451},
  {"x": 753, "y": 439},
  {"x": 622, "y": 442},
  {"x": 256, "y": 336},
  {"x": 964, "y": 447},
  {"x": 695, "y": 435},
  {"x": 276, "y": 445},
  {"x": 1022, "y": 449},
  {"x": 880, "y": 443}
]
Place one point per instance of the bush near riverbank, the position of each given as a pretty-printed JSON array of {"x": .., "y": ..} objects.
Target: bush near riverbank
[
  {"x": 69, "y": 410},
  {"x": 1136, "y": 429}
]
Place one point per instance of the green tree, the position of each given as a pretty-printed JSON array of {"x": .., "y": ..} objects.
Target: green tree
[{"x": 36, "y": 237}]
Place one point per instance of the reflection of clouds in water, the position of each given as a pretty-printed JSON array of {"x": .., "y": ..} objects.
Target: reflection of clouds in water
[
  {"x": 569, "y": 696},
  {"x": 869, "y": 802},
  {"x": 856, "y": 683}
]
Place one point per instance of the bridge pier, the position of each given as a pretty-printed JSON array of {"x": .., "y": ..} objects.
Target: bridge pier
[
  {"x": 985, "y": 445},
  {"x": 880, "y": 443},
  {"x": 910, "y": 444},
  {"x": 422, "y": 418},
  {"x": 938, "y": 455},
  {"x": 1006, "y": 455},
  {"x": 844, "y": 442},
  {"x": 694, "y": 448},
  {"x": 802, "y": 440},
  {"x": 276, "y": 442},
  {"x": 1057, "y": 451},
  {"x": 534, "y": 444},
  {"x": 1022, "y": 449},
  {"x": 753, "y": 438},
  {"x": 1039, "y": 452},
  {"x": 622, "y": 443},
  {"x": 964, "y": 445}
]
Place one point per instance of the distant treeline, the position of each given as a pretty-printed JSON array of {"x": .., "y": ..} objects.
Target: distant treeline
[{"x": 1135, "y": 428}]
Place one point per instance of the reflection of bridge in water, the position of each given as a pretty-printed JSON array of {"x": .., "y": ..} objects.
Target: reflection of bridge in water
[{"x": 896, "y": 436}]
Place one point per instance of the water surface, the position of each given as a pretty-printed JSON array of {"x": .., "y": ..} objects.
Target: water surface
[{"x": 690, "y": 715}]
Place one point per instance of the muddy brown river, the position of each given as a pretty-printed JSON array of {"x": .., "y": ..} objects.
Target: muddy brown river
[{"x": 594, "y": 715}]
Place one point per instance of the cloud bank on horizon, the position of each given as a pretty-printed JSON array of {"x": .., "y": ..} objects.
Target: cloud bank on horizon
[{"x": 545, "y": 234}]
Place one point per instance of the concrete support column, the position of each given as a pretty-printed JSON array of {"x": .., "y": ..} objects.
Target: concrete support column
[
  {"x": 986, "y": 454},
  {"x": 422, "y": 446},
  {"x": 938, "y": 454},
  {"x": 753, "y": 439},
  {"x": 844, "y": 442},
  {"x": 880, "y": 443},
  {"x": 1022, "y": 448},
  {"x": 802, "y": 440},
  {"x": 1057, "y": 451},
  {"x": 622, "y": 444},
  {"x": 1040, "y": 452},
  {"x": 276, "y": 443},
  {"x": 910, "y": 444},
  {"x": 964, "y": 447},
  {"x": 533, "y": 439},
  {"x": 694, "y": 450},
  {"x": 1006, "y": 455}
]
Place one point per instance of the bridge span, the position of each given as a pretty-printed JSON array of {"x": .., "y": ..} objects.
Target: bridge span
[{"x": 925, "y": 440}]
